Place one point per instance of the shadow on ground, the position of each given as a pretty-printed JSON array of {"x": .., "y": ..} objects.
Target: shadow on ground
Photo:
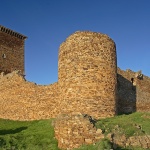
[{"x": 12, "y": 131}]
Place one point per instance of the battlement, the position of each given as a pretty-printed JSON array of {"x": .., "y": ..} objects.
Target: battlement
[
  {"x": 12, "y": 33},
  {"x": 11, "y": 50}
]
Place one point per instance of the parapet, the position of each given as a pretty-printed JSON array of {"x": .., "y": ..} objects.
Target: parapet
[{"x": 12, "y": 33}]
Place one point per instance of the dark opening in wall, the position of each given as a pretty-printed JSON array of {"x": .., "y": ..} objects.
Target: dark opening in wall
[
  {"x": 132, "y": 80},
  {"x": 4, "y": 56}
]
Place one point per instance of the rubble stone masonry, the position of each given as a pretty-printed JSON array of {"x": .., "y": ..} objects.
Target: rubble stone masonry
[
  {"x": 74, "y": 130},
  {"x": 11, "y": 50},
  {"x": 87, "y": 74},
  {"x": 87, "y": 84},
  {"x": 22, "y": 100},
  {"x": 143, "y": 94},
  {"x": 133, "y": 96}
]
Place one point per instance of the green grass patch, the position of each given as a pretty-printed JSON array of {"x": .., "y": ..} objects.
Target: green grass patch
[
  {"x": 104, "y": 144},
  {"x": 39, "y": 135},
  {"x": 27, "y": 135},
  {"x": 130, "y": 125}
]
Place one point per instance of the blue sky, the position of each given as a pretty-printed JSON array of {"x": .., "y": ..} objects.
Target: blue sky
[{"x": 47, "y": 23}]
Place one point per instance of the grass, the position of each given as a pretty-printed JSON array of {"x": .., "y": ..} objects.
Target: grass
[
  {"x": 104, "y": 144},
  {"x": 27, "y": 135},
  {"x": 39, "y": 135},
  {"x": 129, "y": 125}
]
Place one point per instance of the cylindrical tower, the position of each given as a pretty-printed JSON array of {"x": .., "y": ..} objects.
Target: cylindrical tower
[{"x": 87, "y": 74}]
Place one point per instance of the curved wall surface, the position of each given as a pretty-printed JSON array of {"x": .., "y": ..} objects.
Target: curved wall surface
[{"x": 87, "y": 74}]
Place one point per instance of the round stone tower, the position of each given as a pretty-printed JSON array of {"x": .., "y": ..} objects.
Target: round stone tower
[{"x": 88, "y": 74}]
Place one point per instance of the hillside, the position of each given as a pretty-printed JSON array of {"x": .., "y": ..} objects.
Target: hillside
[{"x": 128, "y": 131}]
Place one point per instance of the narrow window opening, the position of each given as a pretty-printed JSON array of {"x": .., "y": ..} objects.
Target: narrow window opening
[
  {"x": 132, "y": 80},
  {"x": 4, "y": 56}
]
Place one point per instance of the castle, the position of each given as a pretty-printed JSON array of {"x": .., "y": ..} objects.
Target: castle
[{"x": 89, "y": 81}]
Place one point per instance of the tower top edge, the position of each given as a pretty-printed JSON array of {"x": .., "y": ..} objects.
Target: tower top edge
[{"x": 12, "y": 33}]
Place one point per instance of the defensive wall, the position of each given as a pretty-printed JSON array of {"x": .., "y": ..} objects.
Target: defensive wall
[
  {"x": 87, "y": 74},
  {"x": 89, "y": 82},
  {"x": 133, "y": 91}
]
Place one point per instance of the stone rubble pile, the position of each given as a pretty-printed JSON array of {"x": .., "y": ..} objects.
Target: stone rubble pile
[
  {"x": 74, "y": 130},
  {"x": 133, "y": 141}
]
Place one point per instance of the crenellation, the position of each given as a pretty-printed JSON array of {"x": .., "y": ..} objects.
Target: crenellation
[{"x": 12, "y": 33}]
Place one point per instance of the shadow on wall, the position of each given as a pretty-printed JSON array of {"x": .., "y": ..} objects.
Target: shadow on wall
[{"x": 126, "y": 95}]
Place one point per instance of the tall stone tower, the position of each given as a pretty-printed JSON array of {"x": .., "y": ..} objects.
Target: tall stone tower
[
  {"x": 11, "y": 50},
  {"x": 88, "y": 74}
]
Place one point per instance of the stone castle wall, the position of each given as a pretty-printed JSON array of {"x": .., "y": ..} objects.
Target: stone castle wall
[
  {"x": 133, "y": 96},
  {"x": 22, "y": 100},
  {"x": 126, "y": 91},
  {"x": 143, "y": 94},
  {"x": 11, "y": 51},
  {"x": 87, "y": 74},
  {"x": 87, "y": 84}
]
